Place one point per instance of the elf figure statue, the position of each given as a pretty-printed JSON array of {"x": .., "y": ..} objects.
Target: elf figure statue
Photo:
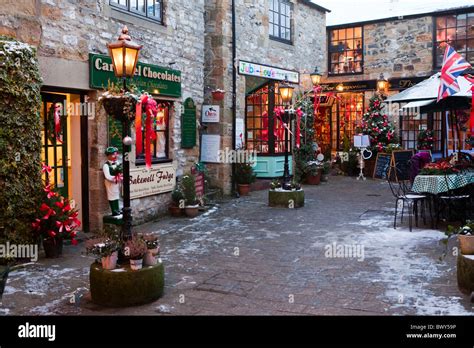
[{"x": 113, "y": 178}]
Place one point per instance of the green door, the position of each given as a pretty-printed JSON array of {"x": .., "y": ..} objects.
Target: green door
[{"x": 55, "y": 151}]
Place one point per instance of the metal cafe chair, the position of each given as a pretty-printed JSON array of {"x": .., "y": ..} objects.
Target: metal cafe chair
[
  {"x": 454, "y": 201},
  {"x": 402, "y": 193}
]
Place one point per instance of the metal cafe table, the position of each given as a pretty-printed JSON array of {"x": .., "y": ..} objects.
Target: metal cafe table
[{"x": 435, "y": 185}]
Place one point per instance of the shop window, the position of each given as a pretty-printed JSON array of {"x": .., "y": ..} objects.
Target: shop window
[
  {"x": 152, "y": 9},
  {"x": 265, "y": 132},
  {"x": 457, "y": 31},
  {"x": 159, "y": 146},
  {"x": 412, "y": 124},
  {"x": 346, "y": 51},
  {"x": 280, "y": 20},
  {"x": 346, "y": 117}
]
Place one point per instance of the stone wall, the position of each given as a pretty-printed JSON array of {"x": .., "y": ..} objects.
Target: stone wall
[
  {"x": 70, "y": 29},
  {"x": 401, "y": 48},
  {"x": 254, "y": 44}
]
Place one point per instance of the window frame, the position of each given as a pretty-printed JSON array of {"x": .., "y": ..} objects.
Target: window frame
[
  {"x": 140, "y": 158},
  {"x": 329, "y": 41},
  {"x": 128, "y": 9},
  {"x": 279, "y": 38},
  {"x": 466, "y": 39}
]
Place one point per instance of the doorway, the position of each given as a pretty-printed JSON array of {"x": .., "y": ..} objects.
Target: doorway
[{"x": 65, "y": 148}]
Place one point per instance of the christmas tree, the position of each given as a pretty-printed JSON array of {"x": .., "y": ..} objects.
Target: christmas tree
[{"x": 376, "y": 125}]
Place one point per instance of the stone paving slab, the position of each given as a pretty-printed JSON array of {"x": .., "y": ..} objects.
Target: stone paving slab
[{"x": 244, "y": 258}]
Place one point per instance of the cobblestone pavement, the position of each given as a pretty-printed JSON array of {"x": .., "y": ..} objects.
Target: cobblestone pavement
[{"x": 244, "y": 258}]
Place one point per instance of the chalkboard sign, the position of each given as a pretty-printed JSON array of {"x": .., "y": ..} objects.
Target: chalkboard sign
[
  {"x": 401, "y": 161},
  {"x": 382, "y": 165},
  {"x": 188, "y": 125}
]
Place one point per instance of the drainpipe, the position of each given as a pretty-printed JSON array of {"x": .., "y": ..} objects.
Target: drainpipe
[{"x": 234, "y": 92}]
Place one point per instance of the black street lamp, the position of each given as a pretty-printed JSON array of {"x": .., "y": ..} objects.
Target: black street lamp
[
  {"x": 286, "y": 93},
  {"x": 124, "y": 54},
  {"x": 382, "y": 85},
  {"x": 316, "y": 77}
]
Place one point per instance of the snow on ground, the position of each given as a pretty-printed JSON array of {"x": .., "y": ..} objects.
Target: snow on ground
[
  {"x": 399, "y": 255},
  {"x": 350, "y": 11}
]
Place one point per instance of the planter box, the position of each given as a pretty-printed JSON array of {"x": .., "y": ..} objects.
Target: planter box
[
  {"x": 124, "y": 287},
  {"x": 286, "y": 199},
  {"x": 466, "y": 273}
]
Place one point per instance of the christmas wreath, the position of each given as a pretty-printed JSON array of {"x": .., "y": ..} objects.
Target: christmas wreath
[{"x": 55, "y": 123}]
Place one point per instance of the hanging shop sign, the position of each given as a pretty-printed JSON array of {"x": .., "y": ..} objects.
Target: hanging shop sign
[
  {"x": 150, "y": 78},
  {"x": 268, "y": 72},
  {"x": 211, "y": 113},
  {"x": 188, "y": 125},
  {"x": 368, "y": 85},
  {"x": 210, "y": 148},
  {"x": 157, "y": 180}
]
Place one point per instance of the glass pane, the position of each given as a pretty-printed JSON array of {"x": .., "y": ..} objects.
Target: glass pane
[
  {"x": 350, "y": 33},
  {"x": 141, "y": 6},
  {"x": 461, "y": 33},
  {"x": 470, "y": 18},
  {"x": 441, "y": 35},
  {"x": 462, "y": 20},
  {"x": 334, "y": 36},
  {"x": 470, "y": 45},
  {"x": 342, "y": 34},
  {"x": 271, "y": 30},
  {"x": 470, "y": 31},
  {"x": 451, "y": 34},
  {"x": 441, "y": 23},
  {"x": 358, "y": 32},
  {"x": 451, "y": 21}
]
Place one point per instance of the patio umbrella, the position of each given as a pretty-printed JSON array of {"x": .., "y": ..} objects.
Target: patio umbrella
[{"x": 424, "y": 95}]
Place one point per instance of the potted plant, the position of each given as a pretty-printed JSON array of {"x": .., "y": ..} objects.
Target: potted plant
[
  {"x": 57, "y": 220},
  {"x": 466, "y": 237},
  {"x": 105, "y": 249},
  {"x": 218, "y": 95},
  {"x": 153, "y": 250},
  {"x": 177, "y": 204},
  {"x": 326, "y": 171},
  {"x": 313, "y": 172},
  {"x": 136, "y": 249},
  {"x": 244, "y": 177},
  {"x": 188, "y": 186}
]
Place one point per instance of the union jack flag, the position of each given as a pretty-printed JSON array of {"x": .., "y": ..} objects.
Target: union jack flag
[{"x": 453, "y": 65}]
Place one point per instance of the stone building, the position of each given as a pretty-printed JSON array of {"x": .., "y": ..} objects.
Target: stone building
[
  {"x": 250, "y": 48},
  {"x": 71, "y": 38},
  {"x": 405, "y": 50}
]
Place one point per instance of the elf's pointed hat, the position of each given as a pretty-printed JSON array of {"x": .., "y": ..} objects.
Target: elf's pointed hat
[{"x": 111, "y": 150}]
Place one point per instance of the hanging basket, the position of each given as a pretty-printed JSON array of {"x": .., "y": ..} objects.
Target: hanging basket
[
  {"x": 120, "y": 107},
  {"x": 218, "y": 95}
]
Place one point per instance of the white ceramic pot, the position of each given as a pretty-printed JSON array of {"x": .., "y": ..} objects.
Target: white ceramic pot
[
  {"x": 110, "y": 262},
  {"x": 136, "y": 265},
  {"x": 150, "y": 257}
]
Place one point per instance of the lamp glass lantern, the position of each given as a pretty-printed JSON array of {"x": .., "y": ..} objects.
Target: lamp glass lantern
[
  {"x": 382, "y": 84},
  {"x": 286, "y": 92},
  {"x": 124, "y": 54},
  {"x": 316, "y": 77}
]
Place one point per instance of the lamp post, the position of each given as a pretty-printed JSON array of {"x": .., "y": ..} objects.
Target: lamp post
[
  {"x": 124, "y": 54},
  {"x": 286, "y": 93}
]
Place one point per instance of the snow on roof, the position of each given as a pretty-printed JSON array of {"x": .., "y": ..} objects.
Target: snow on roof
[{"x": 353, "y": 11}]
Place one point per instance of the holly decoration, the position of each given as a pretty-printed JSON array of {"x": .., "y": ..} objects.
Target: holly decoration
[
  {"x": 426, "y": 140},
  {"x": 377, "y": 126}
]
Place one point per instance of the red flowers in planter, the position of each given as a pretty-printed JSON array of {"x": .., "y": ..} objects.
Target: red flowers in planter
[
  {"x": 440, "y": 168},
  {"x": 218, "y": 95},
  {"x": 58, "y": 219}
]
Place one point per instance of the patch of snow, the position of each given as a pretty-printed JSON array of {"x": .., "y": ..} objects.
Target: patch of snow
[
  {"x": 404, "y": 269},
  {"x": 4, "y": 311},
  {"x": 165, "y": 309}
]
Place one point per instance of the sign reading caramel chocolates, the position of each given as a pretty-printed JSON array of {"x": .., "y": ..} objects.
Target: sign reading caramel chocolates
[{"x": 157, "y": 180}]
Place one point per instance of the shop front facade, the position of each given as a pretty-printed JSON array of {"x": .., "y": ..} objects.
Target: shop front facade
[
  {"x": 405, "y": 51},
  {"x": 71, "y": 40},
  {"x": 272, "y": 41}
]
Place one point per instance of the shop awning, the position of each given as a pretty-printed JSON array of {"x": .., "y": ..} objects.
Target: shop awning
[{"x": 419, "y": 104}]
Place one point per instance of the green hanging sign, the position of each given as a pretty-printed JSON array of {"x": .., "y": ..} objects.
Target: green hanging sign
[
  {"x": 150, "y": 78},
  {"x": 188, "y": 125}
]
